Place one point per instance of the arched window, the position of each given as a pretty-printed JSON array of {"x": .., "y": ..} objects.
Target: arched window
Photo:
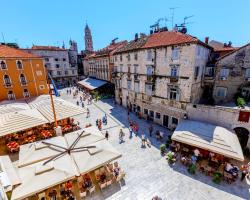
[
  {"x": 7, "y": 81},
  {"x": 19, "y": 64},
  {"x": 23, "y": 79},
  {"x": 3, "y": 65},
  {"x": 11, "y": 95},
  {"x": 26, "y": 93}
]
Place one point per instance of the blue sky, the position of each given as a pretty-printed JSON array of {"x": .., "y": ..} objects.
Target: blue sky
[{"x": 50, "y": 22}]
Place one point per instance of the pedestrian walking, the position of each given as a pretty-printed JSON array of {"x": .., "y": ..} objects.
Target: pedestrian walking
[
  {"x": 77, "y": 103},
  {"x": 82, "y": 104},
  {"x": 67, "y": 91},
  {"x": 88, "y": 113},
  {"x": 136, "y": 129},
  {"x": 96, "y": 122},
  {"x": 130, "y": 132},
  {"x": 143, "y": 139},
  {"x": 150, "y": 130},
  {"x": 121, "y": 135},
  {"x": 107, "y": 135}
]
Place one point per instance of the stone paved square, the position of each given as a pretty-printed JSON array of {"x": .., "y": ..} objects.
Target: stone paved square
[{"x": 147, "y": 172}]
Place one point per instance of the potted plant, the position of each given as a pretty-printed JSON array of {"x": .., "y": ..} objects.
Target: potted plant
[
  {"x": 192, "y": 168},
  {"x": 217, "y": 177},
  {"x": 170, "y": 157},
  {"x": 241, "y": 102},
  {"x": 162, "y": 148}
]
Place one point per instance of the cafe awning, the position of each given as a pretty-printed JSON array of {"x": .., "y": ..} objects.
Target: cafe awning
[
  {"x": 209, "y": 137},
  {"x": 64, "y": 109},
  {"x": 37, "y": 176},
  {"x": 91, "y": 83},
  {"x": 20, "y": 120}
]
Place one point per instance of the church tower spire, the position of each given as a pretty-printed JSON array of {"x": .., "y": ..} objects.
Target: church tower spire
[{"x": 88, "y": 39}]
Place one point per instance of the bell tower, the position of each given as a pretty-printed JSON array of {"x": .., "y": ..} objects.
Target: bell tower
[{"x": 88, "y": 39}]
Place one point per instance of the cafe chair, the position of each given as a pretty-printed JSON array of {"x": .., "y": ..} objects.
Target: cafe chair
[
  {"x": 103, "y": 185},
  {"x": 83, "y": 194},
  {"x": 91, "y": 190}
]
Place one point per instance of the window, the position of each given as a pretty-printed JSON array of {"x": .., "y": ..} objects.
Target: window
[
  {"x": 174, "y": 95},
  {"x": 224, "y": 72},
  {"x": 196, "y": 72},
  {"x": 11, "y": 95},
  {"x": 46, "y": 59},
  {"x": 248, "y": 73},
  {"x": 128, "y": 56},
  {"x": 23, "y": 80},
  {"x": 135, "y": 56},
  {"x": 39, "y": 73},
  {"x": 64, "y": 59},
  {"x": 157, "y": 115},
  {"x": 174, "y": 71},
  {"x": 129, "y": 84},
  {"x": 56, "y": 59},
  {"x": 41, "y": 87},
  {"x": 66, "y": 72},
  {"x": 149, "y": 55},
  {"x": 175, "y": 53},
  {"x": 3, "y": 65},
  {"x": 148, "y": 89},
  {"x": 121, "y": 57},
  {"x": 7, "y": 81},
  {"x": 209, "y": 71},
  {"x": 120, "y": 69},
  {"x": 145, "y": 111},
  {"x": 57, "y": 65},
  {"x": 19, "y": 64},
  {"x": 221, "y": 92},
  {"x": 174, "y": 121},
  {"x": 115, "y": 58},
  {"x": 149, "y": 70},
  {"x": 136, "y": 69},
  {"x": 73, "y": 72},
  {"x": 26, "y": 93},
  {"x": 198, "y": 51},
  {"x": 58, "y": 73},
  {"x": 137, "y": 87}
]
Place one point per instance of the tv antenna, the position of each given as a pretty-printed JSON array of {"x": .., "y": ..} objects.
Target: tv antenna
[
  {"x": 172, "y": 17},
  {"x": 185, "y": 19},
  {"x": 156, "y": 25},
  {"x": 3, "y": 37}
]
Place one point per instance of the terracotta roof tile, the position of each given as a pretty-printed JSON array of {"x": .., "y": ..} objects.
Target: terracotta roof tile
[
  {"x": 8, "y": 52},
  {"x": 48, "y": 48},
  {"x": 167, "y": 38},
  {"x": 132, "y": 45}
]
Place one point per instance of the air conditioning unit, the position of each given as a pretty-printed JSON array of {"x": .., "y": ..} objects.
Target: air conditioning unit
[{"x": 223, "y": 78}]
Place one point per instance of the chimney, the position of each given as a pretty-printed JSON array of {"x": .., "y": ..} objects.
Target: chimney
[
  {"x": 206, "y": 40},
  {"x": 136, "y": 36}
]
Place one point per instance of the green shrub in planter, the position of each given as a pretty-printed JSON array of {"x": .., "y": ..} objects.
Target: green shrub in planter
[
  {"x": 192, "y": 168},
  {"x": 217, "y": 177},
  {"x": 241, "y": 102},
  {"x": 162, "y": 148}
]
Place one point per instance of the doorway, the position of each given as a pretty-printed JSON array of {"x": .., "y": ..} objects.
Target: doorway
[
  {"x": 243, "y": 136},
  {"x": 165, "y": 120}
]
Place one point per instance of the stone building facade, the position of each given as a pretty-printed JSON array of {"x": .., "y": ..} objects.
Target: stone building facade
[
  {"x": 158, "y": 75},
  {"x": 61, "y": 63},
  {"x": 232, "y": 76},
  {"x": 100, "y": 63}
]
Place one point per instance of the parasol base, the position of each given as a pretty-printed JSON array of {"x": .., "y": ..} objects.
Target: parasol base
[{"x": 58, "y": 130}]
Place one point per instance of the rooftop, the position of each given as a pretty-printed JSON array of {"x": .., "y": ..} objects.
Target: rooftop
[
  {"x": 167, "y": 38},
  {"x": 8, "y": 52},
  {"x": 47, "y": 48}
]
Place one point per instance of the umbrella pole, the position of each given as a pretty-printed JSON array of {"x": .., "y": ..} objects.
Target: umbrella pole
[{"x": 52, "y": 105}]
